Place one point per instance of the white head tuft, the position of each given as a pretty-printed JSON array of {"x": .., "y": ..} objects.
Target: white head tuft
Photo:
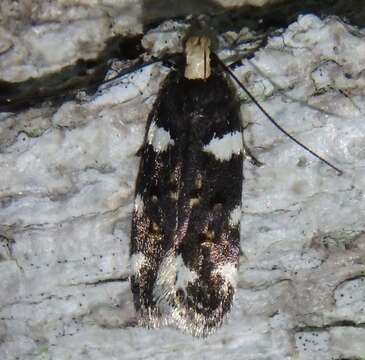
[{"x": 197, "y": 51}]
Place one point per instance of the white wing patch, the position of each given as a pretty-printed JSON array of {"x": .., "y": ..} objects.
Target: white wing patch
[
  {"x": 159, "y": 138},
  {"x": 223, "y": 148},
  {"x": 235, "y": 216},
  {"x": 228, "y": 272},
  {"x": 173, "y": 275},
  {"x": 138, "y": 204},
  {"x": 137, "y": 261},
  {"x": 184, "y": 274}
]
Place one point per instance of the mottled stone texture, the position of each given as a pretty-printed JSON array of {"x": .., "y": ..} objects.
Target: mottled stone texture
[{"x": 67, "y": 177}]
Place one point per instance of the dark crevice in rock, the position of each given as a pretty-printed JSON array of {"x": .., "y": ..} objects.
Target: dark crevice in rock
[
  {"x": 106, "y": 281},
  {"x": 349, "y": 358},
  {"x": 346, "y": 323},
  {"x": 359, "y": 276},
  {"x": 63, "y": 85},
  {"x": 270, "y": 16},
  {"x": 325, "y": 327}
]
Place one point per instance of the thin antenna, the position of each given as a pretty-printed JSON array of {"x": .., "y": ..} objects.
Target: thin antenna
[{"x": 269, "y": 117}]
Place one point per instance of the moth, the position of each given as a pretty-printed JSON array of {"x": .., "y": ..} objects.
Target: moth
[
  {"x": 186, "y": 219},
  {"x": 185, "y": 237}
]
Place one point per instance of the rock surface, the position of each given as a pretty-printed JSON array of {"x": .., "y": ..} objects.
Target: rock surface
[{"x": 66, "y": 190}]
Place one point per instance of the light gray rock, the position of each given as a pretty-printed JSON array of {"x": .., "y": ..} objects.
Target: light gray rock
[
  {"x": 41, "y": 37},
  {"x": 66, "y": 189}
]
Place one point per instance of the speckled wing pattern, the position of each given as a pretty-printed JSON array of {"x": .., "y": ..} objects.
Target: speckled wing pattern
[{"x": 185, "y": 228}]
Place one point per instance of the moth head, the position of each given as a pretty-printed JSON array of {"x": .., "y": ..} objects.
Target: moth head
[
  {"x": 197, "y": 51},
  {"x": 199, "y": 41}
]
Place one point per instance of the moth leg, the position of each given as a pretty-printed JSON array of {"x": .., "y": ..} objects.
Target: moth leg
[
  {"x": 169, "y": 63},
  {"x": 239, "y": 59},
  {"x": 247, "y": 154},
  {"x": 140, "y": 151}
]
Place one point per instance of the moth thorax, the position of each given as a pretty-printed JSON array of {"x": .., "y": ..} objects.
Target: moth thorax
[{"x": 197, "y": 51}]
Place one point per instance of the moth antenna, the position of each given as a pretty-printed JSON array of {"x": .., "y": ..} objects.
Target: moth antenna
[
  {"x": 270, "y": 118},
  {"x": 205, "y": 64},
  {"x": 135, "y": 67}
]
